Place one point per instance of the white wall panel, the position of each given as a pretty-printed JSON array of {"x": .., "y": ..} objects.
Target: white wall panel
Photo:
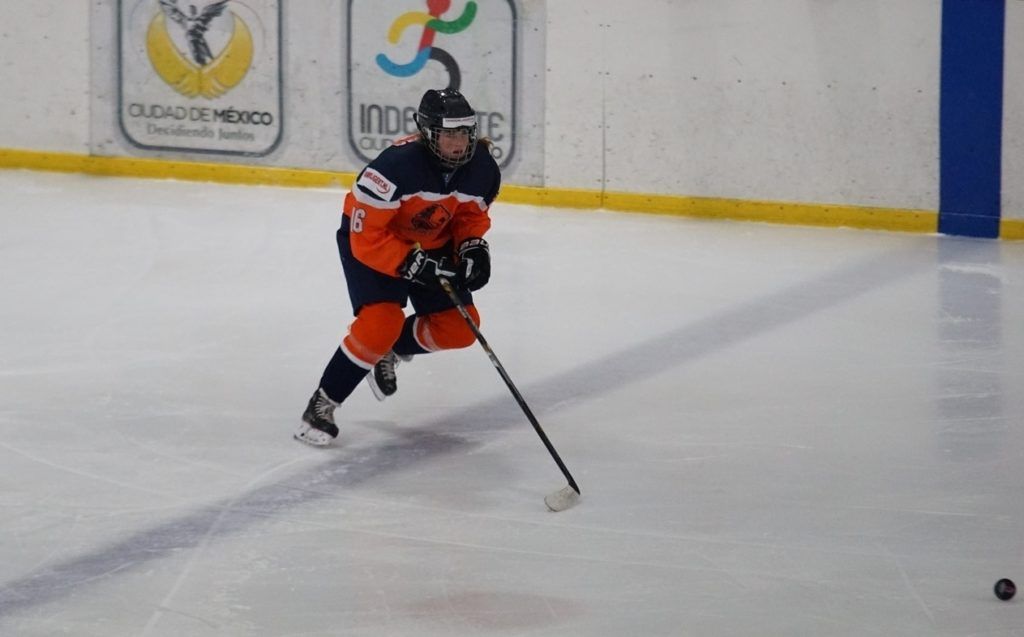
[
  {"x": 1013, "y": 113},
  {"x": 795, "y": 100},
  {"x": 44, "y": 71},
  {"x": 574, "y": 91},
  {"x": 788, "y": 99}
]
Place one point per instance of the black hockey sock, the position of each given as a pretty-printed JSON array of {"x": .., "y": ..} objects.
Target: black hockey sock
[
  {"x": 406, "y": 344},
  {"x": 341, "y": 376}
]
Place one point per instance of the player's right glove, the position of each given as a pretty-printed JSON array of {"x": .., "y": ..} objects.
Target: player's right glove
[{"x": 419, "y": 267}]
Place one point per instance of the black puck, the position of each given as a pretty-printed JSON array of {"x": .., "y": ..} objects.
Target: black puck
[{"x": 1005, "y": 589}]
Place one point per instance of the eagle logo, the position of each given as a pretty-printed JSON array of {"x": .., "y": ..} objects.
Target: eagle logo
[
  {"x": 200, "y": 72},
  {"x": 430, "y": 218}
]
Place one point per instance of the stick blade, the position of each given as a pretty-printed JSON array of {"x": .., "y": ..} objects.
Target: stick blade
[{"x": 562, "y": 499}]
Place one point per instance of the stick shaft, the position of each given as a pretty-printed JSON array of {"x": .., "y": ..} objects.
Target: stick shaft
[{"x": 508, "y": 381}]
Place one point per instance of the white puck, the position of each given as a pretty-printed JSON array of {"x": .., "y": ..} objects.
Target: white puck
[{"x": 562, "y": 499}]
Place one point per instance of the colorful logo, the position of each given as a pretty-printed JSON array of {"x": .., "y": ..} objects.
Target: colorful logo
[
  {"x": 386, "y": 81},
  {"x": 432, "y": 24},
  {"x": 200, "y": 72}
]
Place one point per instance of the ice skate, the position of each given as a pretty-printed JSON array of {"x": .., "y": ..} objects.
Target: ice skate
[
  {"x": 382, "y": 379},
  {"x": 317, "y": 427}
]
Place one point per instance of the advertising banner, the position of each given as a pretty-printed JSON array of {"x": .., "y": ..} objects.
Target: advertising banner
[
  {"x": 200, "y": 76},
  {"x": 397, "y": 50}
]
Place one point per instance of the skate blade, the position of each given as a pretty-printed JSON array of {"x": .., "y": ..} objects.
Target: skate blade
[{"x": 313, "y": 437}]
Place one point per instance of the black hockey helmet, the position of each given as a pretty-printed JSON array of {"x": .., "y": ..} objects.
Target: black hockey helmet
[{"x": 446, "y": 110}]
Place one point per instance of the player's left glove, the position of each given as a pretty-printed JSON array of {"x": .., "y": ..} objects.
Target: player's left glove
[{"x": 474, "y": 264}]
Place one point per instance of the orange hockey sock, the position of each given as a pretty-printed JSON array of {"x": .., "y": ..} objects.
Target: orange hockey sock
[
  {"x": 372, "y": 334},
  {"x": 446, "y": 330}
]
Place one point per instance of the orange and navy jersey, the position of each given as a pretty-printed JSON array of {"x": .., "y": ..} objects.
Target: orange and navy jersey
[{"x": 402, "y": 199}]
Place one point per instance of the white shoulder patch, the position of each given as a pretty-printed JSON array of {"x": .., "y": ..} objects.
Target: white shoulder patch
[{"x": 377, "y": 184}]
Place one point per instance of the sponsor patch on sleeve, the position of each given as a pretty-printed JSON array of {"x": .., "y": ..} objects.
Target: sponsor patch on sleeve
[{"x": 377, "y": 183}]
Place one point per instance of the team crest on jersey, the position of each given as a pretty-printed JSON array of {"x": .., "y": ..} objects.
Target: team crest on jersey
[{"x": 431, "y": 218}]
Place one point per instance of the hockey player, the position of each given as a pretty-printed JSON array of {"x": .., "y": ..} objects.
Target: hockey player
[{"x": 417, "y": 213}]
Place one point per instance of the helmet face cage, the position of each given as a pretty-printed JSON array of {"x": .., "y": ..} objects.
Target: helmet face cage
[{"x": 442, "y": 112}]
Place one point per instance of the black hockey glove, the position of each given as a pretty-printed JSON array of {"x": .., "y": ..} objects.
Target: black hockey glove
[
  {"x": 474, "y": 264},
  {"x": 419, "y": 267}
]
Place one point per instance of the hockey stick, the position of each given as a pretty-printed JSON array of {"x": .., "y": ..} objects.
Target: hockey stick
[{"x": 564, "y": 497}]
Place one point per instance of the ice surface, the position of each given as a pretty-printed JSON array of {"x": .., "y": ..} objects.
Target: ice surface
[{"x": 778, "y": 431}]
